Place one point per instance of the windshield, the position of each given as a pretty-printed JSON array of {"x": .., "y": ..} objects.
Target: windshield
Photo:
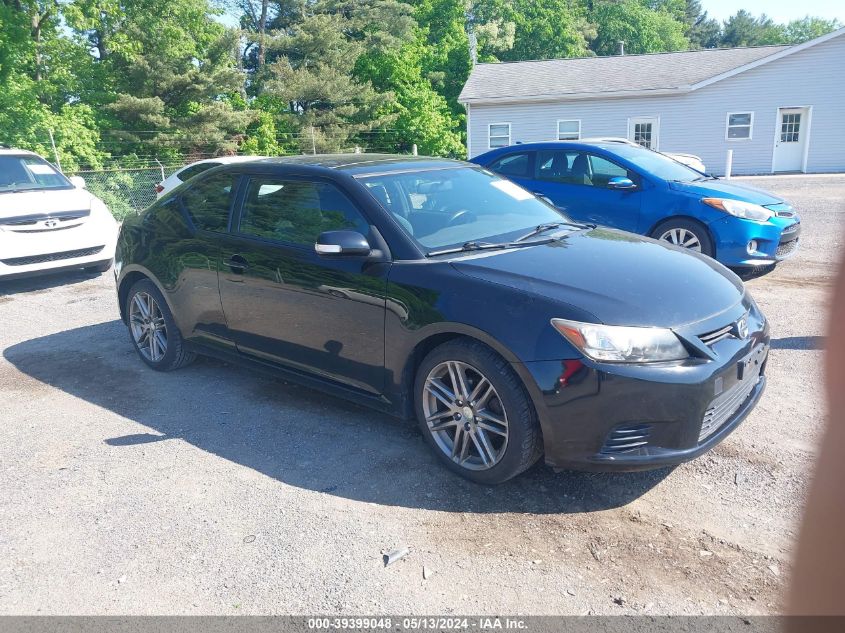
[
  {"x": 657, "y": 164},
  {"x": 26, "y": 173},
  {"x": 453, "y": 206}
]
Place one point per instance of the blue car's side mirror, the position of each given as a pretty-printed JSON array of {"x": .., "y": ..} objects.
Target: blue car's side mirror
[{"x": 621, "y": 183}]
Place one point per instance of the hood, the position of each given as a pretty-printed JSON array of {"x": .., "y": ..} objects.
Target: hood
[
  {"x": 14, "y": 204},
  {"x": 620, "y": 278},
  {"x": 725, "y": 189}
]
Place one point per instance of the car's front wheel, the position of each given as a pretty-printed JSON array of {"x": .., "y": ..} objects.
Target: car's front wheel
[
  {"x": 685, "y": 233},
  {"x": 153, "y": 330},
  {"x": 475, "y": 413}
]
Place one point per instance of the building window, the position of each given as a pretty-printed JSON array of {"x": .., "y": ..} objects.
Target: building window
[
  {"x": 499, "y": 135},
  {"x": 569, "y": 130},
  {"x": 739, "y": 126}
]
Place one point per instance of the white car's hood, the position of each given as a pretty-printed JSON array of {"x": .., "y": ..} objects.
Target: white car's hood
[{"x": 43, "y": 201}]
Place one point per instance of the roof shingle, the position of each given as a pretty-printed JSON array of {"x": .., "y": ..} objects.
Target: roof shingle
[{"x": 596, "y": 75}]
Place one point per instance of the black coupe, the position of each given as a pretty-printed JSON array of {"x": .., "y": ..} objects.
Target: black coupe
[{"x": 434, "y": 289}]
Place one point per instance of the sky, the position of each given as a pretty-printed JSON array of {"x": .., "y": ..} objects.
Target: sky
[{"x": 778, "y": 10}]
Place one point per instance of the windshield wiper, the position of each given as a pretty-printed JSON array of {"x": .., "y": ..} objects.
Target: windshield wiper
[
  {"x": 542, "y": 228},
  {"x": 469, "y": 246}
]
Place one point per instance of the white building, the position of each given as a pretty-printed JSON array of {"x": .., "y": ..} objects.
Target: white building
[{"x": 779, "y": 108}]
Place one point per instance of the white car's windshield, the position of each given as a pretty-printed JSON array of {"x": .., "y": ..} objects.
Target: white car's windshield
[
  {"x": 25, "y": 173},
  {"x": 657, "y": 164},
  {"x": 459, "y": 205}
]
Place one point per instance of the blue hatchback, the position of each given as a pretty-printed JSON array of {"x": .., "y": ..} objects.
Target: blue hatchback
[{"x": 639, "y": 190}]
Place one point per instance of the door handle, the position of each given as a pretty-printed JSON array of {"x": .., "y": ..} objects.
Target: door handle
[{"x": 238, "y": 264}]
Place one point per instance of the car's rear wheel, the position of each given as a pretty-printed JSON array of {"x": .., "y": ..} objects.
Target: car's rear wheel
[
  {"x": 685, "y": 233},
  {"x": 152, "y": 329},
  {"x": 475, "y": 413}
]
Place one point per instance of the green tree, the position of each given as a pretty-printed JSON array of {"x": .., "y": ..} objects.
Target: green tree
[
  {"x": 314, "y": 68},
  {"x": 547, "y": 30},
  {"x": 164, "y": 73},
  {"x": 642, "y": 29},
  {"x": 809, "y": 28},
  {"x": 743, "y": 29},
  {"x": 420, "y": 115}
]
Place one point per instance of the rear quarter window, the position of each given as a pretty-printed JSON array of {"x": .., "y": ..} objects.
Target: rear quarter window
[
  {"x": 517, "y": 165},
  {"x": 209, "y": 201},
  {"x": 193, "y": 170}
]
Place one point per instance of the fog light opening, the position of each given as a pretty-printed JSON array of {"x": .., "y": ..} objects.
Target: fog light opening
[{"x": 752, "y": 247}]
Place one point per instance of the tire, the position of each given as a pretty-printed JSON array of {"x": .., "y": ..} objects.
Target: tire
[
  {"x": 504, "y": 455},
  {"x": 672, "y": 229},
  {"x": 99, "y": 268},
  {"x": 174, "y": 353}
]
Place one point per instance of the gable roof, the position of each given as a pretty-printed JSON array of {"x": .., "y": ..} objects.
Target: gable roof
[{"x": 618, "y": 76}]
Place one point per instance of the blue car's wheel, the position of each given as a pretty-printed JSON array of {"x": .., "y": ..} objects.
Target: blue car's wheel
[{"x": 685, "y": 233}]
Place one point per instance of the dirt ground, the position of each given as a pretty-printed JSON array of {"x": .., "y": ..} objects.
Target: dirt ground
[{"x": 216, "y": 490}]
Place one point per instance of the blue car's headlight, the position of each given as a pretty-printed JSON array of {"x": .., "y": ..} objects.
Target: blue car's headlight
[
  {"x": 740, "y": 209},
  {"x": 613, "y": 343}
]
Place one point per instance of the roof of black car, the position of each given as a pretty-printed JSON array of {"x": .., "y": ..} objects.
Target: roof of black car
[{"x": 364, "y": 164}]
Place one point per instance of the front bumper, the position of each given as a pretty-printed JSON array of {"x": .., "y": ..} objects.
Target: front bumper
[
  {"x": 27, "y": 253},
  {"x": 606, "y": 417},
  {"x": 776, "y": 240}
]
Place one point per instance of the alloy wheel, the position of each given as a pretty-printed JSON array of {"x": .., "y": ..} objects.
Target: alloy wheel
[
  {"x": 682, "y": 237},
  {"x": 465, "y": 415},
  {"x": 148, "y": 328}
]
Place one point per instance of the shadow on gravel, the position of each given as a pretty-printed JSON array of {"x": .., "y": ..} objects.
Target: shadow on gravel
[
  {"x": 798, "y": 342},
  {"x": 295, "y": 435},
  {"x": 45, "y": 281}
]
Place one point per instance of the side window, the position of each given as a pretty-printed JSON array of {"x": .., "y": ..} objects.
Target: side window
[
  {"x": 193, "y": 170},
  {"x": 208, "y": 202},
  {"x": 296, "y": 211},
  {"x": 512, "y": 165},
  {"x": 556, "y": 166},
  {"x": 602, "y": 170}
]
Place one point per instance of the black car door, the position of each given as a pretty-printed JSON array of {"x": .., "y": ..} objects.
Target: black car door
[
  {"x": 187, "y": 261},
  {"x": 286, "y": 304}
]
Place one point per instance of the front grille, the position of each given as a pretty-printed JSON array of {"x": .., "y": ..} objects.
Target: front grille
[
  {"x": 786, "y": 248},
  {"x": 711, "y": 338},
  {"x": 35, "y": 218},
  {"x": 51, "y": 257},
  {"x": 625, "y": 439},
  {"x": 785, "y": 214},
  {"x": 723, "y": 407}
]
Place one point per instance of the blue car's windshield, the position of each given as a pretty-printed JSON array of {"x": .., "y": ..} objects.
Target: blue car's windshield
[
  {"x": 456, "y": 205},
  {"x": 657, "y": 164}
]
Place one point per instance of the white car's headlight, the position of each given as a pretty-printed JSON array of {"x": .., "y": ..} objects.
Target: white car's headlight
[
  {"x": 612, "y": 343},
  {"x": 740, "y": 209}
]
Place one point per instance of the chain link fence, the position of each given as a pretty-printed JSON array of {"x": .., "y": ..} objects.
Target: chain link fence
[
  {"x": 126, "y": 191},
  {"x": 129, "y": 190}
]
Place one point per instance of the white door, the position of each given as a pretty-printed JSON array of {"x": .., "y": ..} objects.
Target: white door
[
  {"x": 791, "y": 139},
  {"x": 644, "y": 130}
]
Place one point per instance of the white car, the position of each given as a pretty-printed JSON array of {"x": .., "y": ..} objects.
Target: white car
[
  {"x": 49, "y": 222},
  {"x": 690, "y": 160},
  {"x": 189, "y": 171}
]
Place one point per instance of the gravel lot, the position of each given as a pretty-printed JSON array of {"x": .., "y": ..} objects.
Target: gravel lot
[{"x": 217, "y": 490}]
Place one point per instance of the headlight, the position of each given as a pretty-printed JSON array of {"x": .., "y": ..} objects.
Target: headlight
[
  {"x": 622, "y": 344},
  {"x": 740, "y": 209}
]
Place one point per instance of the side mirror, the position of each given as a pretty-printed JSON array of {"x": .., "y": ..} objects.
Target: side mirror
[
  {"x": 621, "y": 183},
  {"x": 342, "y": 243},
  {"x": 77, "y": 181}
]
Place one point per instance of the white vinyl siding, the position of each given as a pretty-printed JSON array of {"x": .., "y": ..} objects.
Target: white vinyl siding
[
  {"x": 569, "y": 130},
  {"x": 498, "y": 135},
  {"x": 696, "y": 122},
  {"x": 739, "y": 126}
]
